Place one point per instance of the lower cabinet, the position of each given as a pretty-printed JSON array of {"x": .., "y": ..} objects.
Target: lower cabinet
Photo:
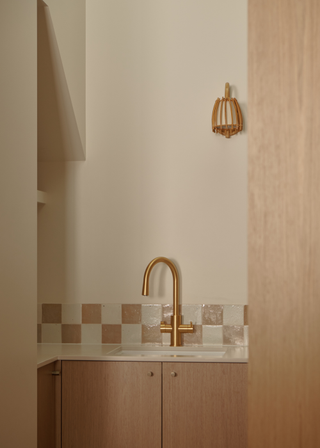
[
  {"x": 49, "y": 406},
  {"x": 153, "y": 405},
  {"x": 111, "y": 404}
]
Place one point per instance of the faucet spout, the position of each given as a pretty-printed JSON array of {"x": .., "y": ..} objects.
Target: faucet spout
[{"x": 175, "y": 328}]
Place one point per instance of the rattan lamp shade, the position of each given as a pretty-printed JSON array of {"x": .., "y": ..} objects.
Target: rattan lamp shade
[{"x": 226, "y": 115}]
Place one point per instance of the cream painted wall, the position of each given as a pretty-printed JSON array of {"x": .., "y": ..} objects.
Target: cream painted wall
[
  {"x": 157, "y": 181},
  {"x": 18, "y": 264}
]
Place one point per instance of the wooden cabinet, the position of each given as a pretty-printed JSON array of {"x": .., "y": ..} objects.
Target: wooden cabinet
[
  {"x": 204, "y": 405},
  {"x": 49, "y": 406},
  {"x": 118, "y": 404},
  {"x": 111, "y": 404}
]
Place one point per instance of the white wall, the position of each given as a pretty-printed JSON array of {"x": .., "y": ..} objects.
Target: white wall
[
  {"x": 157, "y": 181},
  {"x": 18, "y": 140}
]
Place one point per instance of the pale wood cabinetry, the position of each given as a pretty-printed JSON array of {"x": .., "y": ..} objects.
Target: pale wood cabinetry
[
  {"x": 111, "y": 404},
  {"x": 49, "y": 406},
  {"x": 154, "y": 405},
  {"x": 205, "y": 405}
]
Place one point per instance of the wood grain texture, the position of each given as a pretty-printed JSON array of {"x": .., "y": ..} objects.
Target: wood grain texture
[
  {"x": 205, "y": 405},
  {"x": 49, "y": 407},
  {"x": 284, "y": 223},
  {"x": 111, "y": 404}
]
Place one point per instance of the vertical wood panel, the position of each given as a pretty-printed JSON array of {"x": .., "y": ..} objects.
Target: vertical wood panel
[
  {"x": 284, "y": 223},
  {"x": 205, "y": 405}
]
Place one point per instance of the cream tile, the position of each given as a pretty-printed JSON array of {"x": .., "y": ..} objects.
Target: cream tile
[
  {"x": 212, "y": 334},
  {"x": 71, "y": 313},
  {"x": 233, "y": 314},
  {"x": 191, "y": 313},
  {"x": 166, "y": 338},
  {"x": 233, "y": 335},
  {"x": 151, "y": 314},
  {"x": 51, "y": 333},
  {"x": 111, "y": 313},
  {"x": 91, "y": 333},
  {"x": 131, "y": 334}
]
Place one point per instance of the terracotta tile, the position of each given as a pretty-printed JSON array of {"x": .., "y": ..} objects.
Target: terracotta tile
[
  {"x": 233, "y": 335},
  {"x": 91, "y": 313},
  {"x": 246, "y": 315},
  {"x": 151, "y": 334},
  {"x": 212, "y": 314},
  {"x": 111, "y": 334},
  {"x": 39, "y": 333},
  {"x": 51, "y": 313},
  {"x": 71, "y": 333},
  {"x": 131, "y": 314},
  {"x": 194, "y": 338}
]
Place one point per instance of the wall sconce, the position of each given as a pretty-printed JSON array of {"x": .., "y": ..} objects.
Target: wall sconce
[{"x": 226, "y": 115}]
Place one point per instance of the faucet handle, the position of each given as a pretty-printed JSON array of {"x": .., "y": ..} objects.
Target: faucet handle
[
  {"x": 165, "y": 328},
  {"x": 186, "y": 328}
]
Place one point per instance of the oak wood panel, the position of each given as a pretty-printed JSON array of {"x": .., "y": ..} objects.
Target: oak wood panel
[
  {"x": 49, "y": 407},
  {"x": 205, "y": 405},
  {"x": 284, "y": 223},
  {"x": 111, "y": 404}
]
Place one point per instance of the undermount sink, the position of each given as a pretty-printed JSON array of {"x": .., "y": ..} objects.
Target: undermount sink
[{"x": 169, "y": 352}]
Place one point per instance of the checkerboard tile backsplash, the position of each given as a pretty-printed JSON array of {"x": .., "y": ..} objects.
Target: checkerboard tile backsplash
[{"x": 114, "y": 323}]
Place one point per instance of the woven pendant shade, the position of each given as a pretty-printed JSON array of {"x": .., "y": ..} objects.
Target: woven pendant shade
[{"x": 226, "y": 115}]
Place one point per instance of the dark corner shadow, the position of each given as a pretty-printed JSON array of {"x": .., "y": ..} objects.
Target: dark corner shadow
[{"x": 58, "y": 134}]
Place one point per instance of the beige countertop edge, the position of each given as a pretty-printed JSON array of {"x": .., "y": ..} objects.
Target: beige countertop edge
[{"x": 48, "y": 353}]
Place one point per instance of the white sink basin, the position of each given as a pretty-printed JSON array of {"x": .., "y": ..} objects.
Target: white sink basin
[{"x": 176, "y": 352}]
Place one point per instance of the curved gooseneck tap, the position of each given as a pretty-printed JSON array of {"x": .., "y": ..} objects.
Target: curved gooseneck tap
[{"x": 175, "y": 328}]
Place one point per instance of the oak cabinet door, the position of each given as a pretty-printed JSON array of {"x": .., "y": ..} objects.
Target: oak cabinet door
[
  {"x": 204, "y": 405},
  {"x": 49, "y": 406},
  {"x": 111, "y": 404}
]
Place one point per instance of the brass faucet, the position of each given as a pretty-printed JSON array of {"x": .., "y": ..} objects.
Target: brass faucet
[{"x": 175, "y": 328}]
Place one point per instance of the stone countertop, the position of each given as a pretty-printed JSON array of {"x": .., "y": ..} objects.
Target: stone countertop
[{"x": 48, "y": 353}]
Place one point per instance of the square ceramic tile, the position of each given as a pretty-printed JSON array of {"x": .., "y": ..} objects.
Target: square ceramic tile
[
  {"x": 166, "y": 338},
  {"x": 212, "y": 314},
  {"x": 91, "y": 334},
  {"x": 39, "y": 313},
  {"x": 71, "y": 333},
  {"x": 91, "y": 313},
  {"x": 167, "y": 311},
  {"x": 51, "y": 333},
  {"x": 233, "y": 314},
  {"x": 151, "y": 334},
  {"x": 71, "y": 313},
  {"x": 212, "y": 335},
  {"x": 191, "y": 313},
  {"x": 151, "y": 314},
  {"x": 131, "y": 334},
  {"x": 233, "y": 335},
  {"x": 51, "y": 313},
  {"x": 194, "y": 338},
  {"x": 111, "y": 333},
  {"x": 131, "y": 314},
  {"x": 111, "y": 313}
]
